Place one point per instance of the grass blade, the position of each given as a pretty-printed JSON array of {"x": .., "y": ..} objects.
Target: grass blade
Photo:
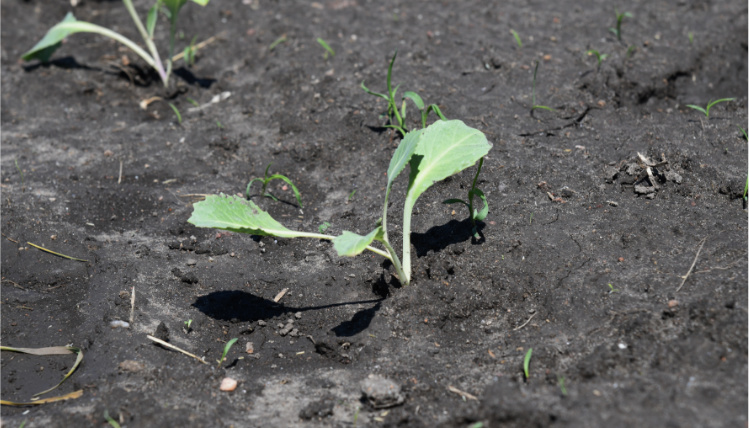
[
  {"x": 53, "y": 350},
  {"x": 57, "y": 254}
]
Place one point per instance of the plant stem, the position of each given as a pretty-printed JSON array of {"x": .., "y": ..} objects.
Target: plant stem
[
  {"x": 156, "y": 60},
  {"x": 330, "y": 238},
  {"x": 407, "y": 211},
  {"x": 396, "y": 263}
]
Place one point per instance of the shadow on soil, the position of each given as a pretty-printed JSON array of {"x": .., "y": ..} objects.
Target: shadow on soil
[{"x": 440, "y": 237}]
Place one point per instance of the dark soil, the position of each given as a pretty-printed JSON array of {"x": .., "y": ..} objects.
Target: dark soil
[{"x": 578, "y": 259}]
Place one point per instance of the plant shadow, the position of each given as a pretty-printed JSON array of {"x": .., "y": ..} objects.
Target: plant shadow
[
  {"x": 440, "y": 237},
  {"x": 241, "y": 306}
]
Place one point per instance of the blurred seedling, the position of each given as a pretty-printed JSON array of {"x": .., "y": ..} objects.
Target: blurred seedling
[
  {"x": 536, "y": 106},
  {"x": 277, "y": 42},
  {"x": 190, "y": 53},
  {"x": 176, "y": 113},
  {"x": 619, "y": 18},
  {"x": 228, "y": 346},
  {"x": 326, "y": 46},
  {"x": 517, "y": 38},
  {"x": 434, "y": 153},
  {"x": 18, "y": 168},
  {"x": 560, "y": 382},
  {"x": 397, "y": 117},
  {"x": 51, "y": 41},
  {"x": 351, "y": 195},
  {"x": 630, "y": 51},
  {"x": 266, "y": 181},
  {"x": 527, "y": 363},
  {"x": 612, "y": 289},
  {"x": 706, "y": 110},
  {"x": 599, "y": 56},
  {"x": 475, "y": 214},
  {"x": 691, "y": 37},
  {"x": 188, "y": 325},
  {"x": 323, "y": 227},
  {"x": 110, "y": 420},
  {"x": 192, "y": 101}
]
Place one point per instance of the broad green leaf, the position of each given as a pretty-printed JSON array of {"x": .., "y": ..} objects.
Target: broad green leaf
[
  {"x": 445, "y": 148},
  {"x": 238, "y": 215},
  {"x": 51, "y": 41},
  {"x": 403, "y": 154},
  {"x": 350, "y": 244}
]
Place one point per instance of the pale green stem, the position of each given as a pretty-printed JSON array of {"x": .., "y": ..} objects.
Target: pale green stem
[
  {"x": 405, "y": 280},
  {"x": 87, "y": 27},
  {"x": 156, "y": 61},
  {"x": 330, "y": 238},
  {"x": 407, "y": 211}
]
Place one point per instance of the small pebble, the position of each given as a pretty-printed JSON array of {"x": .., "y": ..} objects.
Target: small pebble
[
  {"x": 191, "y": 262},
  {"x": 249, "y": 348},
  {"x": 298, "y": 315},
  {"x": 228, "y": 384},
  {"x": 118, "y": 323},
  {"x": 673, "y": 303}
]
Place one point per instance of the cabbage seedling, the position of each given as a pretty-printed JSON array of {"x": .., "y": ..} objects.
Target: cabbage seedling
[
  {"x": 267, "y": 179},
  {"x": 475, "y": 214},
  {"x": 706, "y": 110},
  {"x": 394, "y": 115},
  {"x": 442, "y": 149},
  {"x": 44, "y": 49},
  {"x": 619, "y": 18}
]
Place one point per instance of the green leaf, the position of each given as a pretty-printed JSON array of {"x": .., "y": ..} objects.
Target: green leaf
[
  {"x": 153, "y": 14},
  {"x": 173, "y": 6},
  {"x": 454, "y": 201},
  {"x": 51, "y": 41},
  {"x": 403, "y": 154},
  {"x": 413, "y": 96},
  {"x": 377, "y": 94},
  {"x": 698, "y": 108},
  {"x": 445, "y": 148},
  {"x": 350, "y": 244},
  {"x": 479, "y": 215},
  {"x": 201, "y": 2},
  {"x": 237, "y": 215}
]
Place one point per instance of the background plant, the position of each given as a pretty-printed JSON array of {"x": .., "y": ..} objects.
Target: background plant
[
  {"x": 710, "y": 104},
  {"x": 619, "y": 18},
  {"x": 475, "y": 214},
  {"x": 266, "y": 181},
  {"x": 51, "y": 41},
  {"x": 534, "y": 105}
]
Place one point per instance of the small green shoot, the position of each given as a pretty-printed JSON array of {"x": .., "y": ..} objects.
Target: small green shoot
[
  {"x": 517, "y": 38},
  {"x": 277, "y": 42},
  {"x": 536, "y": 106},
  {"x": 560, "y": 382},
  {"x": 630, "y": 51},
  {"x": 527, "y": 363},
  {"x": 475, "y": 214},
  {"x": 706, "y": 111},
  {"x": 51, "y": 41},
  {"x": 439, "y": 151},
  {"x": 599, "y": 56},
  {"x": 323, "y": 227},
  {"x": 18, "y": 168},
  {"x": 612, "y": 289},
  {"x": 176, "y": 113},
  {"x": 399, "y": 115},
  {"x": 188, "y": 323},
  {"x": 23, "y": 424},
  {"x": 326, "y": 46},
  {"x": 351, "y": 195},
  {"x": 476, "y": 425},
  {"x": 531, "y": 219},
  {"x": 228, "y": 346},
  {"x": 691, "y": 37},
  {"x": 189, "y": 53},
  {"x": 267, "y": 179},
  {"x": 192, "y": 101},
  {"x": 219, "y": 125},
  {"x": 619, "y": 18},
  {"x": 111, "y": 421}
]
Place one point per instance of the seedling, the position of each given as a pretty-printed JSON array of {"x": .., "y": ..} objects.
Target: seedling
[
  {"x": 560, "y": 382},
  {"x": 599, "y": 56},
  {"x": 323, "y": 227},
  {"x": 277, "y": 42},
  {"x": 192, "y": 101},
  {"x": 691, "y": 37},
  {"x": 706, "y": 110},
  {"x": 536, "y": 106},
  {"x": 176, "y": 113},
  {"x": 612, "y": 289},
  {"x": 189, "y": 53},
  {"x": 527, "y": 363},
  {"x": 619, "y": 18},
  {"x": 630, "y": 51},
  {"x": 351, "y": 195},
  {"x": 326, "y": 46},
  {"x": 475, "y": 214},
  {"x": 517, "y": 38},
  {"x": 442, "y": 149},
  {"x": 188, "y": 323},
  {"x": 267, "y": 179},
  {"x": 228, "y": 346},
  {"x": 111, "y": 421},
  {"x": 44, "y": 49},
  {"x": 397, "y": 118}
]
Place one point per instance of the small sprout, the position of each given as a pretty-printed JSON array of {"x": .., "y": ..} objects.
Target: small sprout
[
  {"x": 228, "y": 346},
  {"x": 176, "y": 113},
  {"x": 560, "y": 382},
  {"x": 111, "y": 421},
  {"x": 219, "y": 125},
  {"x": 267, "y": 179},
  {"x": 599, "y": 56},
  {"x": 192, "y": 101},
  {"x": 475, "y": 214},
  {"x": 517, "y": 38},
  {"x": 631, "y": 51},
  {"x": 536, "y": 106},
  {"x": 619, "y": 18},
  {"x": 277, "y": 42},
  {"x": 323, "y": 227},
  {"x": 706, "y": 111},
  {"x": 326, "y": 46},
  {"x": 477, "y": 424},
  {"x": 189, "y": 53},
  {"x": 612, "y": 289},
  {"x": 531, "y": 219},
  {"x": 691, "y": 37},
  {"x": 188, "y": 323},
  {"x": 527, "y": 362},
  {"x": 351, "y": 195}
]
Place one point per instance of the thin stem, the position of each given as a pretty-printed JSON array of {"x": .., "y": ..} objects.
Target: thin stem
[
  {"x": 156, "y": 60},
  {"x": 405, "y": 280},
  {"x": 79, "y": 26},
  {"x": 407, "y": 211},
  {"x": 330, "y": 238}
]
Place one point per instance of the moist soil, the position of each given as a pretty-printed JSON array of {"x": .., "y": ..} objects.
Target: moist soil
[{"x": 582, "y": 257}]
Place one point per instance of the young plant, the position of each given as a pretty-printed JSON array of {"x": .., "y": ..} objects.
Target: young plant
[
  {"x": 176, "y": 113},
  {"x": 619, "y": 18},
  {"x": 44, "y": 49},
  {"x": 323, "y": 227},
  {"x": 612, "y": 289},
  {"x": 599, "y": 56},
  {"x": 475, "y": 214},
  {"x": 560, "y": 382},
  {"x": 706, "y": 110},
  {"x": 396, "y": 117},
  {"x": 536, "y": 106},
  {"x": 267, "y": 179},
  {"x": 326, "y": 46},
  {"x": 442, "y": 149},
  {"x": 527, "y": 363},
  {"x": 188, "y": 323},
  {"x": 517, "y": 38},
  {"x": 228, "y": 346},
  {"x": 190, "y": 52}
]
